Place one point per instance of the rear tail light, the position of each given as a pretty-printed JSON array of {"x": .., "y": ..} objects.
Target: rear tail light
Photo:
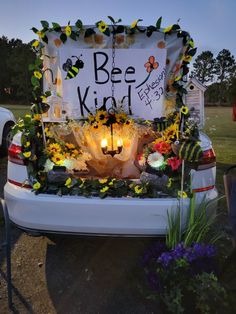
[
  {"x": 208, "y": 160},
  {"x": 14, "y": 154},
  {"x": 207, "y": 188}
]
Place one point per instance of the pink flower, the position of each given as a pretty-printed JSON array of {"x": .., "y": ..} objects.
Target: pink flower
[
  {"x": 174, "y": 162},
  {"x": 141, "y": 160}
]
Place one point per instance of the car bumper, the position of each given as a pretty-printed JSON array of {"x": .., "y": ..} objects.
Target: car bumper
[{"x": 80, "y": 215}]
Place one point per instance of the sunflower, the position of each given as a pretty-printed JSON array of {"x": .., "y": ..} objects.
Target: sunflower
[
  {"x": 182, "y": 194},
  {"x": 121, "y": 117},
  {"x": 54, "y": 148},
  {"x": 167, "y": 29},
  {"x": 70, "y": 146},
  {"x": 35, "y": 44},
  {"x": 134, "y": 24},
  {"x": 68, "y": 30},
  {"x": 38, "y": 75},
  {"x": 102, "y": 26},
  {"x": 58, "y": 159},
  {"x": 36, "y": 185},
  {"x": 138, "y": 189},
  {"x": 184, "y": 110},
  {"x": 102, "y": 181},
  {"x": 40, "y": 34},
  {"x": 170, "y": 133},
  {"x": 68, "y": 183},
  {"x": 101, "y": 116},
  {"x": 103, "y": 190},
  {"x": 27, "y": 154}
]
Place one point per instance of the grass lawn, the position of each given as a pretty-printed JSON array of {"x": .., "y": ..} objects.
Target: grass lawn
[
  {"x": 18, "y": 110},
  {"x": 222, "y": 131}
]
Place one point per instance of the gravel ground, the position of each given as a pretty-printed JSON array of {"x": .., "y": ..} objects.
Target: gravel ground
[{"x": 74, "y": 274}]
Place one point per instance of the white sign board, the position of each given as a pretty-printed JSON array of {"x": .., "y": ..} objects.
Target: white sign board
[{"x": 138, "y": 76}]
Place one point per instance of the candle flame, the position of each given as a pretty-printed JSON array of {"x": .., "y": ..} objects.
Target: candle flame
[{"x": 104, "y": 143}]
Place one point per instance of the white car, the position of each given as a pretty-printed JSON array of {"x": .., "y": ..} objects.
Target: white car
[
  {"x": 46, "y": 213},
  {"x": 7, "y": 120}
]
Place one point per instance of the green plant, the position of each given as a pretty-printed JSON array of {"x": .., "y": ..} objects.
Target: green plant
[
  {"x": 208, "y": 293},
  {"x": 199, "y": 225}
]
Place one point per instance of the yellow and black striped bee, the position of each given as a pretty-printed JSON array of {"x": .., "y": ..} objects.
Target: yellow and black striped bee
[
  {"x": 72, "y": 69},
  {"x": 190, "y": 151},
  {"x": 160, "y": 124}
]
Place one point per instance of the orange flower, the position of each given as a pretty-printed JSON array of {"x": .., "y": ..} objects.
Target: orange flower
[
  {"x": 151, "y": 64},
  {"x": 162, "y": 147}
]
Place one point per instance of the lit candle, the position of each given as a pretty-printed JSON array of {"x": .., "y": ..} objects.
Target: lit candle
[
  {"x": 104, "y": 143},
  {"x": 119, "y": 143}
]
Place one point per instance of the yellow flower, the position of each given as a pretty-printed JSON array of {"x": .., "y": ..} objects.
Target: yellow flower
[
  {"x": 27, "y": 144},
  {"x": 101, "y": 116},
  {"x": 183, "y": 195},
  {"x": 170, "y": 133},
  {"x": 58, "y": 159},
  {"x": 37, "y": 117},
  {"x": 169, "y": 183},
  {"x": 28, "y": 116},
  {"x": 103, "y": 190},
  {"x": 167, "y": 29},
  {"x": 138, "y": 189},
  {"x": 44, "y": 98},
  {"x": 102, "y": 26},
  {"x": 134, "y": 24},
  {"x": 27, "y": 154},
  {"x": 68, "y": 183},
  {"x": 54, "y": 148},
  {"x": 184, "y": 109},
  {"x": 48, "y": 132},
  {"x": 37, "y": 74},
  {"x": 102, "y": 181},
  {"x": 70, "y": 145},
  {"x": 111, "y": 182},
  {"x": 178, "y": 77},
  {"x": 36, "y": 185},
  {"x": 35, "y": 44},
  {"x": 187, "y": 58},
  {"x": 40, "y": 34},
  {"x": 68, "y": 30}
]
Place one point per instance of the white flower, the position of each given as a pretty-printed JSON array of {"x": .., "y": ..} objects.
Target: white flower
[
  {"x": 69, "y": 163},
  {"x": 155, "y": 160},
  {"x": 48, "y": 165}
]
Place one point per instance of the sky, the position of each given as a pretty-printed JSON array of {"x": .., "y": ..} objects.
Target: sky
[{"x": 210, "y": 22}]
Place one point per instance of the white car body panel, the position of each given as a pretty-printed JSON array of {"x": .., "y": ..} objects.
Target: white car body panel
[
  {"x": 74, "y": 214},
  {"x": 111, "y": 216},
  {"x": 5, "y": 116}
]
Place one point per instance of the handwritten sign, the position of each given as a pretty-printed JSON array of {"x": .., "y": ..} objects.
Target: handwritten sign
[{"x": 138, "y": 77}]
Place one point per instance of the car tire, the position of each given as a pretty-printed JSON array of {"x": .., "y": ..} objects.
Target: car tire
[{"x": 6, "y": 138}]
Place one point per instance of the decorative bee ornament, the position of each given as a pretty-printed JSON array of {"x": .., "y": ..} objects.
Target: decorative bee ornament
[{"x": 72, "y": 69}]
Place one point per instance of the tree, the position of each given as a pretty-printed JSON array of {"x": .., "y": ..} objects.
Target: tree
[
  {"x": 5, "y": 75},
  {"x": 204, "y": 67},
  {"x": 20, "y": 58},
  {"x": 15, "y": 83},
  {"x": 225, "y": 66},
  {"x": 232, "y": 91}
]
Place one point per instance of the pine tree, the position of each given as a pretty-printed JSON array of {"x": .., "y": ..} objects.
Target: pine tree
[{"x": 204, "y": 66}]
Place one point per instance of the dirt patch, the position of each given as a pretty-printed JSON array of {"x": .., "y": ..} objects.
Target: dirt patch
[{"x": 73, "y": 275}]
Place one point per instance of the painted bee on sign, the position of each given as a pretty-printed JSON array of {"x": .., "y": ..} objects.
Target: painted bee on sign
[{"x": 72, "y": 69}]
